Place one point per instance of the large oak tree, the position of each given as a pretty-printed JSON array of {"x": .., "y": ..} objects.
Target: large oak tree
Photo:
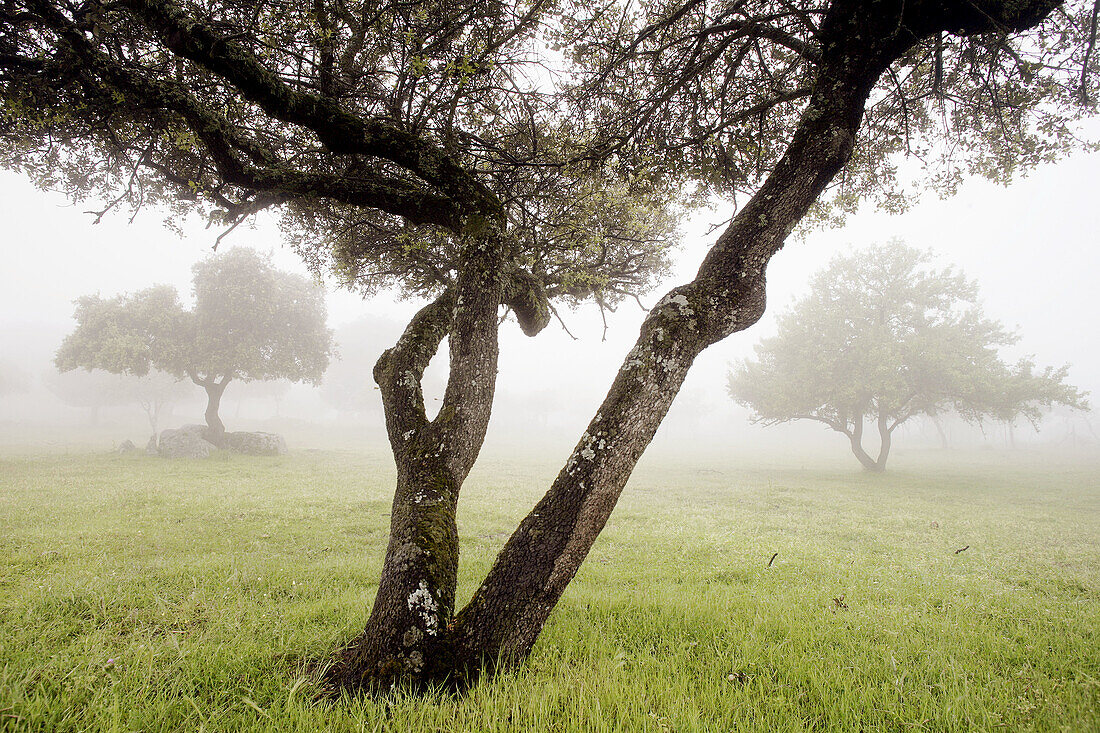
[
  {"x": 250, "y": 322},
  {"x": 884, "y": 336},
  {"x": 425, "y": 145}
]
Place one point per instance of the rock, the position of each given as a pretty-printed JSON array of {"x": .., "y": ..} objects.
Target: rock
[
  {"x": 151, "y": 446},
  {"x": 186, "y": 442},
  {"x": 127, "y": 447},
  {"x": 255, "y": 444}
]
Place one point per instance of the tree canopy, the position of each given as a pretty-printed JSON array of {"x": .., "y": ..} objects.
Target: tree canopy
[
  {"x": 483, "y": 154},
  {"x": 249, "y": 322},
  {"x": 884, "y": 336}
]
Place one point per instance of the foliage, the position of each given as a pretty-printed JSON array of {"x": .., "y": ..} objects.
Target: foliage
[
  {"x": 715, "y": 92},
  {"x": 677, "y": 624},
  {"x": 380, "y": 132},
  {"x": 249, "y": 322},
  {"x": 13, "y": 379},
  {"x": 253, "y": 322},
  {"x": 127, "y": 334},
  {"x": 883, "y": 334}
]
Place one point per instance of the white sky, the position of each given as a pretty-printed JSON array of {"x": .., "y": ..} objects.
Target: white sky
[{"x": 1032, "y": 247}]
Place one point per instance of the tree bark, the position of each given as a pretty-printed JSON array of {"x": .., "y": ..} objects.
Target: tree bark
[
  {"x": 214, "y": 391},
  {"x": 508, "y": 611},
  {"x": 855, "y": 437},
  {"x": 406, "y": 636},
  {"x": 884, "y": 434},
  {"x": 411, "y": 635}
]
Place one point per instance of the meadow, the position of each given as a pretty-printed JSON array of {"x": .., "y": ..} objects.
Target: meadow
[{"x": 138, "y": 593}]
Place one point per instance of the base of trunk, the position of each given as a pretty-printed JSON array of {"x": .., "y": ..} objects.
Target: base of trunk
[{"x": 361, "y": 668}]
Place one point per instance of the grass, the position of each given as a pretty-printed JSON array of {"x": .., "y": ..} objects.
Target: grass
[{"x": 143, "y": 594}]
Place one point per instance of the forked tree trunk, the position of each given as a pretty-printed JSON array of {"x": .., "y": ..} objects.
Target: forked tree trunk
[
  {"x": 214, "y": 390},
  {"x": 875, "y": 465},
  {"x": 406, "y": 636},
  {"x": 412, "y": 636}
]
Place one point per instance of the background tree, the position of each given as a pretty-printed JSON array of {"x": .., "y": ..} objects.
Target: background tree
[
  {"x": 13, "y": 379},
  {"x": 249, "y": 322},
  {"x": 882, "y": 336},
  {"x": 413, "y": 145},
  {"x": 157, "y": 392},
  {"x": 93, "y": 390}
]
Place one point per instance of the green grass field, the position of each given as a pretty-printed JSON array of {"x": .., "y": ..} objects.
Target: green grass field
[{"x": 143, "y": 594}]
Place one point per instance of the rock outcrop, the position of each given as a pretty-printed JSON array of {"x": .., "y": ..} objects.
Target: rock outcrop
[
  {"x": 198, "y": 441},
  {"x": 186, "y": 442},
  {"x": 255, "y": 444}
]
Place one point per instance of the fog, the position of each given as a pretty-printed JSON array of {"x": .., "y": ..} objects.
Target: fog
[{"x": 1031, "y": 246}]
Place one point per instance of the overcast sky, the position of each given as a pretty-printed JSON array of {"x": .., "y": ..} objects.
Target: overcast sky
[{"x": 1032, "y": 247}]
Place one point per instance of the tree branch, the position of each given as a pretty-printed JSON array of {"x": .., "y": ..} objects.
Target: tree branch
[{"x": 338, "y": 129}]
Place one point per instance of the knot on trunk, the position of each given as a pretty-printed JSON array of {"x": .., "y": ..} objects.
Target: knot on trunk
[{"x": 526, "y": 296}]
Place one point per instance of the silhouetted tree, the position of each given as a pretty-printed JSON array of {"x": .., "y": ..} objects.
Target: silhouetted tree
[
  {"x": 13, "y": 379},
  {"x": 882, "y": 336},
  {"x": 95, "y": 389}
]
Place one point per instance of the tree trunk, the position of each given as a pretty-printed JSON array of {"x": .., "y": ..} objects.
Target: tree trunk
[
  {"x": 411, "y": 635},
  {"x": 406, "y": 636},
  {"x": 508, "y": 611},
  {"x": 855, "y": 437},
  {"x": 937, "y": 420},
  {"x": 214, "y": 391},
  {"x": 884, "y": 435}
]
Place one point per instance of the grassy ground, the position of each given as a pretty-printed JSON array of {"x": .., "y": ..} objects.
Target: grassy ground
[{"x": 143, "y": 594}]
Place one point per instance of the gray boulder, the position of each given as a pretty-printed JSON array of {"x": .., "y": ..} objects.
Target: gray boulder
[
  {"x": 127, "y": 447},
  {"x": 151, "y": 446},
  {"x": 255, "y": 444},
  {"x": 185, "y": 442}
]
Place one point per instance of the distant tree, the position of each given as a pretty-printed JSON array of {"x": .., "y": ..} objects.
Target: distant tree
[
  {"x": 157, "y": 392},
  {"x": 884, "y": 336},
  {"x": 349, "y": 385},
  {"x": 250, "y": 322},
  {"x": 91, "y": 390},
  {"x": 13, "y": 379},
  {"x": 272, "y": 390}
]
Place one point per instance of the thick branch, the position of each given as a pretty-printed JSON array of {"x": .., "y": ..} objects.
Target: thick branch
[
  {"x": 240, "y": 160},
  {"x": 468, "y": 401},
  {"x": 338, "y": 129},
  {"x": 507, "y": 612},
  {"x": 400, "y": 369}
]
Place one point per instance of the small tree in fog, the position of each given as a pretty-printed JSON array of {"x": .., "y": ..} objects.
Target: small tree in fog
[
  {"x": 96, "y": 389},
  {"x": 884, "y": 337},
  {"x": 13, "y": 379},
  {"x": 250, "y": 322}
]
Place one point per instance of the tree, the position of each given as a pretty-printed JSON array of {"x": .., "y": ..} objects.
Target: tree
[
  {"x": 249, "y": 322},
  {"x": 94, "y": 390},
  {"x": 157, "y": 392},
  {"x": 883, "y": 336},
  {"x": 13, "y": 379},
  {"x": 347, "y": 386},
  {"x": 417, "y": 146}
]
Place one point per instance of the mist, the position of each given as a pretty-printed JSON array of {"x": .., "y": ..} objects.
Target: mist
[{"x": 550, "y": 386}]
